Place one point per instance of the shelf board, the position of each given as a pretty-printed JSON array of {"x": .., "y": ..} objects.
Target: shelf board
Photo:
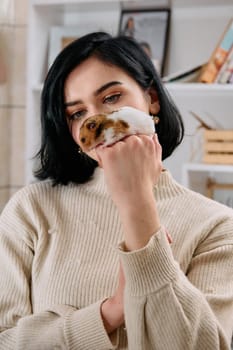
[
  {"x": 200, "y": 3},
  {"x": 195, "y": 174},
  {"x": 180, "y": 87},
  {"x": 173, "y": 3},
  {"x": 69, "y": 2},
  {"x": 199, "y": 87},
  {"x": 208, "y": 167},
  {"x": 72, "y": 6}
]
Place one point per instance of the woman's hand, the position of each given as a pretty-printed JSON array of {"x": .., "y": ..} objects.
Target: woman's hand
[
  {"x": 112, "y": 309},
  {"x": 132, "y": 167}
]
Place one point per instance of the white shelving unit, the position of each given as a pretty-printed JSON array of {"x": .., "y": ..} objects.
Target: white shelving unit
[
  {"x": 196, "y": 177},
  {"x": 189, "y": 170},
  {"x": 195, "y": 28}
]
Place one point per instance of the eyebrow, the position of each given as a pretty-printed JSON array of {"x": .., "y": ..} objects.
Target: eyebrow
[{"x": 96, "y": 93}]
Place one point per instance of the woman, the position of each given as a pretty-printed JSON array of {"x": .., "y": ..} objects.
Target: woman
[
  {"x": 87, "y": 261},
  {"x": 129, "y": 28}
]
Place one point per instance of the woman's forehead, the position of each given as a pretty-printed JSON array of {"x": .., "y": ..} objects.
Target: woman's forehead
[
  {"x": 92, "y": 74},
  {"x": 91, "y": 67}
]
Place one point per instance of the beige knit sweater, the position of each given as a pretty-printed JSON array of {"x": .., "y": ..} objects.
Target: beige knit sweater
[{"x": 59, "y": 259}]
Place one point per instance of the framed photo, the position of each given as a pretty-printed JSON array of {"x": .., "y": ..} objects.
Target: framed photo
[
  {"x": 61, "y": 36},
  {"x": 150, "y": 28}
]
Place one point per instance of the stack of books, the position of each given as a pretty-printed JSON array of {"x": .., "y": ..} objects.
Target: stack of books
[{"x": 219, "y": 68}]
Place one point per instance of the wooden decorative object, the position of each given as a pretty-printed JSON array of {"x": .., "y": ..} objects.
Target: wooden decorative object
[{"x": 218, "y": 146}]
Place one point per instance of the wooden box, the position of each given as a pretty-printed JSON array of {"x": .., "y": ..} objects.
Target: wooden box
[{"x": 218, "y": 146}]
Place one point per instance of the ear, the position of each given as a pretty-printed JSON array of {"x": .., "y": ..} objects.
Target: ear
[{"x": 154, "y": 106}]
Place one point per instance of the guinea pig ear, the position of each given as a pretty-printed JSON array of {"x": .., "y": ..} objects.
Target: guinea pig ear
[{"x": 154, "y": 105}]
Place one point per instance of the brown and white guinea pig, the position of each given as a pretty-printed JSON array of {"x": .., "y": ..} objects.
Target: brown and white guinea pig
[{"x": 106, "y": 129}]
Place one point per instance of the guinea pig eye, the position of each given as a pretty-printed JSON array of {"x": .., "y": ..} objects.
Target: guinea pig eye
[{"x": 91, "y": 125}]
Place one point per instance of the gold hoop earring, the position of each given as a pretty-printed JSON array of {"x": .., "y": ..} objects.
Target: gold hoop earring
[
  {"x": 155, "y": 119},
  {"x": 79, "y": 150}
]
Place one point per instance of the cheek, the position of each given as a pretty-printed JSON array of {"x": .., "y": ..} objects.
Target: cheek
[{"x": 141, "y": 102}]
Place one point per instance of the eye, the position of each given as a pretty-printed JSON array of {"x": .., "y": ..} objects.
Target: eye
[
  {"x": 112, "y": 98},
  {"x": 77, "y": 115}
]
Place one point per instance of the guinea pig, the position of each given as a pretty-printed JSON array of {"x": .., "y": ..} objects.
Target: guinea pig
[{"x": 107, "y": 129}]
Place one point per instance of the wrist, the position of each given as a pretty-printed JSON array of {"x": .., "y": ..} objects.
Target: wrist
[
  {"x": 140, "y": 222},
  {"x": 137, "y": 201}
]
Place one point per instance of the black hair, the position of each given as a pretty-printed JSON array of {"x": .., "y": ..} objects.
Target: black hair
[
  {"x": 58, "y": 154},
  {"x": 146, "y": 46}
]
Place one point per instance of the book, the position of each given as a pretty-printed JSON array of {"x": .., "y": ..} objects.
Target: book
[
  {"x": 218, "y": 57},
  {"x": 188, "y": 75},
  {"x": 226, "y": 69}
]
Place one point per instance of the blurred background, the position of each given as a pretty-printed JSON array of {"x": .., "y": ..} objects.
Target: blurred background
[{"x": 13, "y": 34}]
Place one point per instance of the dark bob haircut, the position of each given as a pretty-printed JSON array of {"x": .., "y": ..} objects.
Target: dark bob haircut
[{"x": 58, "y": 156}]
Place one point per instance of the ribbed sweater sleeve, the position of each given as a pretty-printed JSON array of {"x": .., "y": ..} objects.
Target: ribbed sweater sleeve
[
  {"x": 163, "y": 307},
  {"x": 62, "y": 326},
  {"x": 56, "y": 327}
]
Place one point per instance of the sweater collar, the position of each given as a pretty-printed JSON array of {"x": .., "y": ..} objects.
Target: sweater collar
[{"x": 165, "y": 188}]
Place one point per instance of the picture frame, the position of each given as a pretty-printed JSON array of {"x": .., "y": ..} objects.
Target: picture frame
[
  {"x": 150, "y": 27},
  {"x": 60, "y": 36}
]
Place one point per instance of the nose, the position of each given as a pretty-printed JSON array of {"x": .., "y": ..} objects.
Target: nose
[{"x": 100, "y": 108}]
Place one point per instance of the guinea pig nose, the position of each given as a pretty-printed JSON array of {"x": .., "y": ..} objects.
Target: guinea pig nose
[
  {"x": 83, "y": 140},
  {"x": 91, "y": 125}
]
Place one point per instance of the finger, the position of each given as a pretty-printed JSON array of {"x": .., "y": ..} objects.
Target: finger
[
  {"x": 155, "y": 138},
  {"x": 156, "y": 143}
]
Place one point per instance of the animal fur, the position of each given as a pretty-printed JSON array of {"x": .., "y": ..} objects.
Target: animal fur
[{"x": 106, "y": 129}]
